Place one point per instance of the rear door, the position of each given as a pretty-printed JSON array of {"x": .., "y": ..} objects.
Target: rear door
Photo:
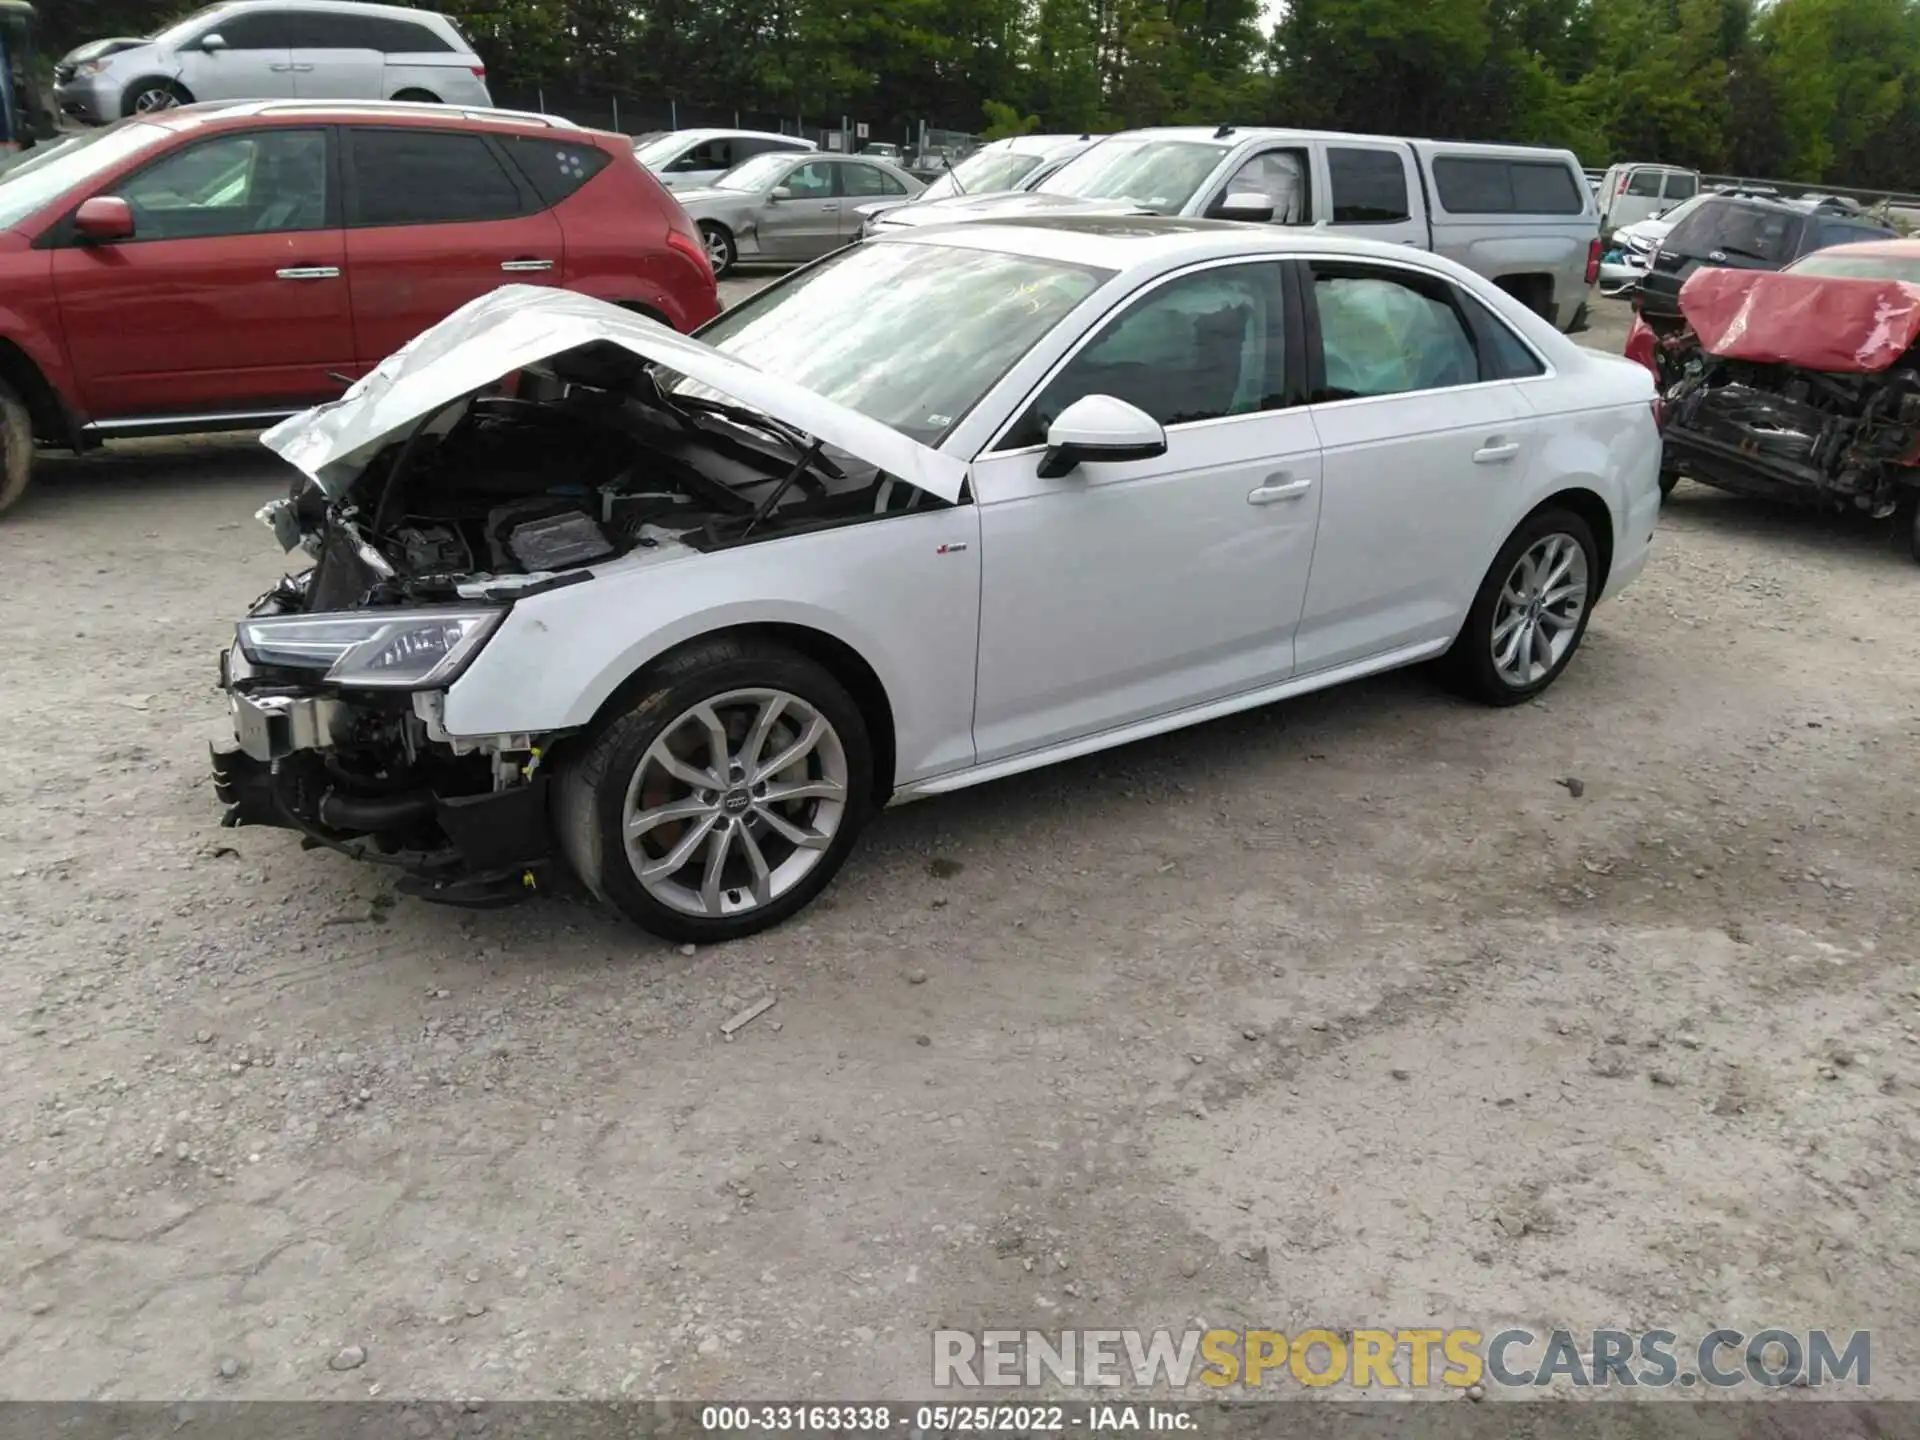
[
  {"x": 1426, "y": 441},
  {"x": 336, "y": 55},
  {"x": 229, "y": 298},
  {"x": 1370, "y": 193},
  {"x": 436, "y": 218}
]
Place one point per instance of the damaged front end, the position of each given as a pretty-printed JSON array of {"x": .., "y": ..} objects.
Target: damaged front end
[
  {"x": 520, "y": 446},
  {"x": 1797, "y": 388}
]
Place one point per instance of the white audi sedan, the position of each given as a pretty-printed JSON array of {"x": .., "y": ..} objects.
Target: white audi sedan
[{"x": 678, "y": 615}]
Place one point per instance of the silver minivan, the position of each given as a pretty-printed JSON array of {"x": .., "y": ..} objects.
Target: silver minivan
[
  {"x": 1631, "y": 193},
  {"x": 275, "y": 50}
]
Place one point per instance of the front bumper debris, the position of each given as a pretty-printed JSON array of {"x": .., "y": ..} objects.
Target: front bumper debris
[{"x": 464, "y": 826}]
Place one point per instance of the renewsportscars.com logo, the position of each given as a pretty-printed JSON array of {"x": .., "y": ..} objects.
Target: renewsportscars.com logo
[{"x": 1398, "y": 1359}]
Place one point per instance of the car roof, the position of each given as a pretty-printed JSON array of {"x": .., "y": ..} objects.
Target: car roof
[
  {"x": 1149, "y": 242},
  {"x": 210, "y": 114},
  {"x": 698, "y": 133},
  {"x": 346, "y": 7}
]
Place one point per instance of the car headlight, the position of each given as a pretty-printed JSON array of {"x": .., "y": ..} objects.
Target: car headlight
[
  {"x": 394, "y": 650},
  {"x": 90, "y": 67}
]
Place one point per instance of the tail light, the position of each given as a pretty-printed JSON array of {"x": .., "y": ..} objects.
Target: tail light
[
  {"x": 1659, "y": 412},
  {"x": 1643, "y": 347},
  {"x": 479, "y": 71},
  {"x": 1593, "y": 260},
  {"x": 690, "y": 248}
]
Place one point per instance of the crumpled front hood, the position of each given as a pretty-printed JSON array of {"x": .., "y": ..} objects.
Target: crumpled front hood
[
  {"x": 518, "y": 326},
  {"x": 1004, "y": 205},
  {"x": 1830, "y": 323}
]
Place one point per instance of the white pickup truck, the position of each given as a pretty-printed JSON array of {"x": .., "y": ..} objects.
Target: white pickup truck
[{"x": 1524, "y": 218}]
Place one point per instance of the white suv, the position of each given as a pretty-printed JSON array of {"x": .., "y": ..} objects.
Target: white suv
[{"x": 275, "y": 50}]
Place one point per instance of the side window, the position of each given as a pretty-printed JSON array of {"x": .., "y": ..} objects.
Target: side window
[
  {"x": 866, "y": 180},
  {"x": 260, "y": 183},
  {"x": 1644, "y": 182},
  {"x": 1369, "y": 186},
  {"x": 1503, "y": 354},
  {"x": 426, "y": 177},
  {"x": 556, "y": 168},
  {"x": 1482, "y": 185},
  {"x": 1197, "y": 348},
  {"x": 403, "y": 37},
  {"x": 812, "y": 181},
  {"x": 1281, "y": 176},
  {"x": 1387, "y": 332},
  {"x": 256, "y": 30},
  {"x": 328, "y": 30},
  {"x": 1681, "y": 185}
]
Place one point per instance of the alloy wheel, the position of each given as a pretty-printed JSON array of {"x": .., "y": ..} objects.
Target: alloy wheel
[
  {"x": 717, "y": 249},
  {"x": 735, "y": 802},
  {"x": 1539, "y": 610},
  {"x": 157, "y": 97}
]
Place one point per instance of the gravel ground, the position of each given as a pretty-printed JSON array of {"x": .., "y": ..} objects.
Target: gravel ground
[{"x": 1371, "y": 1008}]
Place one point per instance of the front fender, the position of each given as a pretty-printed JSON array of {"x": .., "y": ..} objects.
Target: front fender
[{"x": 903, "y": 593}]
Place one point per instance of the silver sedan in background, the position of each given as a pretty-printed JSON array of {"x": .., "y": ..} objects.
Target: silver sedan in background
[{"x": 790, "y": 207}]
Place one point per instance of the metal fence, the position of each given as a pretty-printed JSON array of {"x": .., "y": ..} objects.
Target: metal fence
[{"x": 632, "y": 115}]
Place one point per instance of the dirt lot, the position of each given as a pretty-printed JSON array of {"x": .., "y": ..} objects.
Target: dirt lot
[{"x": 1373, "y": 1008}]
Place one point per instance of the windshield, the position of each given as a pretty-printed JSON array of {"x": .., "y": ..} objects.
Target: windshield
[
  {"x": 1747, "y": 232},
  {"x": 982, "y": 173},
  {"x": 762, "y": 172},
  {"x": 175, "y": 31},
  {"x": 1158, "y": 175},
  {"x": 1860, "y": 267},
  {"x": 1680, "y": 211},
  {"x": 26, "y": 188},
  {"x": 661, "y": 149},
  {"x": 909, "y": 335}
]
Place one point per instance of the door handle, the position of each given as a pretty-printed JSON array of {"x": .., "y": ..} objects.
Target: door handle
[
  {"x": 831, "y": 205},
  {"x": 303, "y": 69},
  {"x": 517, "y": 267},
  {"x": 280, "y": 69},
  {"x": 1278, "y": 487},
  {"x": 309, "y": 272},
  {"x": 1496, "y": 451}
]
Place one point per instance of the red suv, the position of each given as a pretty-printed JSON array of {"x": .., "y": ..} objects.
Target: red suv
[{"x": 220, "y": 266}]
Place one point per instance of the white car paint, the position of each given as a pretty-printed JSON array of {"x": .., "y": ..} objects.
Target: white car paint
[{"x": 1049, "y": 618}]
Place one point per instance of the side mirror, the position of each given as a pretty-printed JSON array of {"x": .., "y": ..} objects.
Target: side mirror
[
  {"x": 1098, "y": 428},
  {"x": 1246, "y": 205},
  {"x": 103, "y": 220},
  {"x": 213, "y": 43},
  {"x": 780, "y": 192}
]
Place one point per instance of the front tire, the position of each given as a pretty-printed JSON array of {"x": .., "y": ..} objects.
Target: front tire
[
  {"x": 16, "y": 447},
  {"x": 721, "y": 251},
  {"x": 725, "y": 798},
  {"x": 153, "y": 93},
  {"x": 1530, "y": 613},
  {"x": 1906, "y": 523},
  {"x": 418, "y": 97},
  {"x": 1668, "y": 479}
]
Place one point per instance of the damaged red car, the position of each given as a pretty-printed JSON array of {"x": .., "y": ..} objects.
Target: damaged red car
[{"x": 1800, "y": 385}]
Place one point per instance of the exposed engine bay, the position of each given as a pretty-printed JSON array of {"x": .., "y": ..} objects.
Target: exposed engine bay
[
  {"x": 587, "y": 460},
  {"x": 337, "y": 681}
]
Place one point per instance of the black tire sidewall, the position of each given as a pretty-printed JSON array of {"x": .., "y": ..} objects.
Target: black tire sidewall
[
  {"x": 710, "y": 227},
  {"x": 16, "y": 448},
  {"x": 716, "y": 670},
  {"x": 1473, "y": 650}
]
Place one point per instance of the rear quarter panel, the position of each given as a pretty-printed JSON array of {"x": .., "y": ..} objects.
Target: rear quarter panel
[{"x": 616, "y": 229}]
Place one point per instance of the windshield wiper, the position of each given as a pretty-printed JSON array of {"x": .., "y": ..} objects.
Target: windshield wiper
[{"x": 802, "y": 444}]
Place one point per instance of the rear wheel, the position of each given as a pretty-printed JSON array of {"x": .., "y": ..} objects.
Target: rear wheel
[
  {"x": 725, "y": 799},
  {"x": 16, "y": 447},
  {"x": 1906, "y": 522},
  {"x": 419, "y": 97},
  {"x": 1530, "y": 613},
  {"x": 721, "y": 253},
  {"x": 1668, "y": 479},
  {"x": 153, "y": 93}
]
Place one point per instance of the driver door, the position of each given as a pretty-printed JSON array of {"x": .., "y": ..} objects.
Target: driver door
[
  {"x": 229, "y": 297},
  {"x": 807, "y": 224},
  {"x": 1128, "y": 590}
]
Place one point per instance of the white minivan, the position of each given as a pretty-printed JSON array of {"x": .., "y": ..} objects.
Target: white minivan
[
  {"x": 275, "y": 50},
  {"x": 1631, "y": 193}
]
